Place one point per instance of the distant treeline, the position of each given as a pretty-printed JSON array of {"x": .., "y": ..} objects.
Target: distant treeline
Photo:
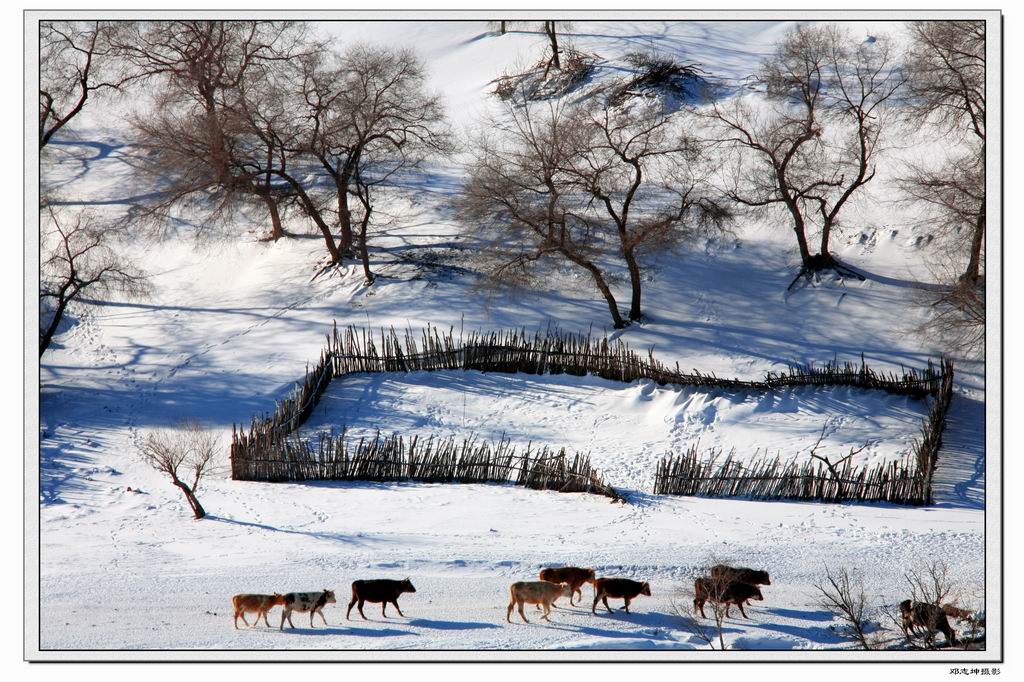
[{"x": 352, "y": 351}]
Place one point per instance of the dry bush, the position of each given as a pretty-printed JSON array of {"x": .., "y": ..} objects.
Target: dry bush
[
  {"x": 661, "y": 74},
  {"x": 185, "y": 455},
  {"x": 541, "y": 82},
  {"x": 710, "y": 632},
  {"x": 842, "y": 594}
]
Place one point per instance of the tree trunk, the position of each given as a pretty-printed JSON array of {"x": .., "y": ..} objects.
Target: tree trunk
[
  {"x": 826, "y": 233},
  {"x": 635, "y": 283},
  {"x": 364, "y": 252},
  {"x": 314, "y": 213},
  {"x": 801, "y": 237},
  {"x": 549, "y": 28},
  {"x": 51, "y": 329},
  {"x": 501, "y": 29},
  {"x": 193, "y": 501},
  {"x": 276, "y": 230},
  {"x": 344, "y": 216},
  {"x": 602, "y": 286},
  {"x": 973, "y": 273}
]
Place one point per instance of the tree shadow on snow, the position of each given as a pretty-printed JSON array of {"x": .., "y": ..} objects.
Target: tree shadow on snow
[{"x": 331, "y": 537}]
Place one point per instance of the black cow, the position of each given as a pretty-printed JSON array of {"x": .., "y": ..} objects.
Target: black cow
[
  {"x": 740, "y": 575},
  {"x": 378, "y": 591},
  {"x": 618, "y": 588}
]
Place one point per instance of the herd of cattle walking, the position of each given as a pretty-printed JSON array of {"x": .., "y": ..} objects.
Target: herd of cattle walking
[{"x": 725, "y": 585}]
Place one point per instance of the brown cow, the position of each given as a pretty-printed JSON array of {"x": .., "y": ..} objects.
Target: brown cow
[
  {"x": 571, "y": 575},
  {"x": 957, "y": 613},
  {"x": 618, "y": 588},
  {"x": 928, "y": 617},
  {"x": 382, "y": 591},
  {"x": 737, "y": 574},
  {"x": 542, "y": 593},
  {"x": 260, "y": 603},
  {"x": 721, "y": 592}
]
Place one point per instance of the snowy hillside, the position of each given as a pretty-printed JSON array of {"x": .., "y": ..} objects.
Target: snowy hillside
[{"x": 232, "y": 323}]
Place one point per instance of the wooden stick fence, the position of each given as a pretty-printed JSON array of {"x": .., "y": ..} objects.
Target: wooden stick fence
[
  {"x": 430, "y": 460},
  {"x": 902, "y": 482},
  {"x": 353, "y": 351},
  {"x": 772, "y": 479}
]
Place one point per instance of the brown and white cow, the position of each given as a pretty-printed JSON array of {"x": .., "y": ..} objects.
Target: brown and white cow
[
  {"x": 260, "y": 604},
  {"x": 313, "y": 602},
  {"x": 618, "y": 588},
  {"x": 542, "y": 593},
  {"x": 571, "y": 575}
]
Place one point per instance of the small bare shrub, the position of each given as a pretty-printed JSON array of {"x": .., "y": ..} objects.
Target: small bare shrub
[
  {"x": 185, "y": 455},
  {"x": 661, "y": 74},
  {"x": 842, "y": 595},
  {"x": 690, "y": 610}
]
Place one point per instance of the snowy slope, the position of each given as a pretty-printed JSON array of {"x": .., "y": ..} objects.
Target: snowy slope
[{"x": 233, "y": 323}]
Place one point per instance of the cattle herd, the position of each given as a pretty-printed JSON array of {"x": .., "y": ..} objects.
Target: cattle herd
[{"x": 725, "y": 585}]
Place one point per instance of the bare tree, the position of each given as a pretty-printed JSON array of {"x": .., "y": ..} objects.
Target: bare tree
[
  {"x": 776, "y": 149},
  {"x": 369, "y": 116},
  {"x": 185, "y": 455},
  {"x": 842, "y": 595},
  {"x": 274, "y": 114},
  {"x": 77, "y": 60},
  {"x": 946, "y": 69},
  {"x": 864, "y": 78},
  {"x": 956, "y": 193},
  {"x": 520, "y": 188},
  {"x": 551, "y": 31},
  {"x": 816, "y": 146},
  {"x": 79, "y": 258},
  {"x": 835, "y": 468},
  {"x": 548, "y": 27},
  {"x": 644, "y": 172},
  {"x": 194, "y": 148},
  {"x": 946, "y": 66}
]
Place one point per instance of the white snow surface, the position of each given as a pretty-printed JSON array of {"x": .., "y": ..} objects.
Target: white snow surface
[
  {"x": 233, "y": 323},
  {"x": 626, "y": 428}
]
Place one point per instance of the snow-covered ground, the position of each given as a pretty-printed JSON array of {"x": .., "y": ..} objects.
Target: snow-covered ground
[
  {"x": 233, "y": 322},
  {"x": 626, "y": 428}
]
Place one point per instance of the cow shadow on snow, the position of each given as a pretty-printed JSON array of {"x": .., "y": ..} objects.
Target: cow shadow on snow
[
  {"x": 654, "y": 625},
  {"x": 450, "y": 624},
  {"x": 819, "y": 634},
  {"x": 347, "y": 631}
]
